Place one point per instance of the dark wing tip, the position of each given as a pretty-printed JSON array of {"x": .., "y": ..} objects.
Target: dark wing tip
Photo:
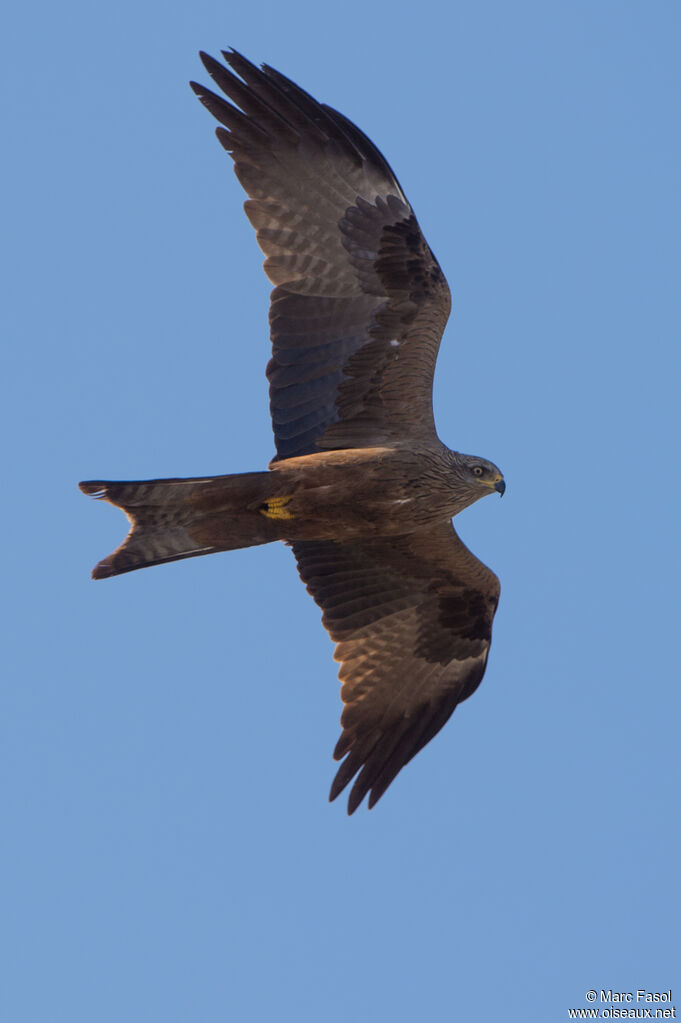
[
  {"x": 234, "y": 58},
  {"x": 364, "y": 783},
  {"x": 207, "y": 61},
  {"x": 352, "y": 803},
  {"x": 357, "y": 794},
  {"x": 337, "y": 787},
  {"x": 354, "y": 799}
]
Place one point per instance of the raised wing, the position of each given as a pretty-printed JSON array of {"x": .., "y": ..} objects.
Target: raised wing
[
  {"x": 412, "y": 620},
  {"x": 360, "y": 302}
]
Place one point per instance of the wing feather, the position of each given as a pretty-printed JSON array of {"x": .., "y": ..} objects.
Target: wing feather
[
  {"x": 360, "y": 302},
  {"x": 412, "y": 619}
]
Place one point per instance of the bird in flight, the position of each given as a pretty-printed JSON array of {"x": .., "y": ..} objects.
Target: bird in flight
[{"x": 361, "y": 488}]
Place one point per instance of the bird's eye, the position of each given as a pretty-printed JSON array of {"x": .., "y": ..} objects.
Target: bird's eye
[{"x": 478, "y": 470}]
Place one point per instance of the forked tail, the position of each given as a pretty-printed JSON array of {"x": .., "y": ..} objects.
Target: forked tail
[{"x": 184, "y": 518}]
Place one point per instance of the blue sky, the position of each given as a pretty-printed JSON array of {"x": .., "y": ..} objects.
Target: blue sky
[{"x": 168, "y": 851}]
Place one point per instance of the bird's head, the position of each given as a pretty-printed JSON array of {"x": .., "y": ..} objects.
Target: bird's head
[{"x": 477, "y": 477}]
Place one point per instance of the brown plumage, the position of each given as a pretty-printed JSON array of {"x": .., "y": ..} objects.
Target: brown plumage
[{"x": 361, "y": 487}]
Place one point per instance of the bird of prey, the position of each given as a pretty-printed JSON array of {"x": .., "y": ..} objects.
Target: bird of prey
[{"x": 361, "y": 488}]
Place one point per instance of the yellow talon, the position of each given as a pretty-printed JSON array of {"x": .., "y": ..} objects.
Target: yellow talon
[{"x": 275, "y": 508}]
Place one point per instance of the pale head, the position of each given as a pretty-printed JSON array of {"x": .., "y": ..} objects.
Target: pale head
[{"x": 476, "y": 477}]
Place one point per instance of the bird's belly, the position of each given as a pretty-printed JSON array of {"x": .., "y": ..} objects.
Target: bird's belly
[
  {"x": 359, "y": 493},
  {"x": 325, "y": 513}
]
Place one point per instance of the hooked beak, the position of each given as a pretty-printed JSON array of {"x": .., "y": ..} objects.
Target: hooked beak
[{"x": 500, "y": 487}]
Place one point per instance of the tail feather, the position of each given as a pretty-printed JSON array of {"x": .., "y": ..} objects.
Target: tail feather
[{"x": 184, "y": 518}]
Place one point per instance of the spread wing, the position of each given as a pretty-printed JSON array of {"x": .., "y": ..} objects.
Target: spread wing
[
  {"x": 360, "y": 302},
  {"x": 412, "y": 620}
]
